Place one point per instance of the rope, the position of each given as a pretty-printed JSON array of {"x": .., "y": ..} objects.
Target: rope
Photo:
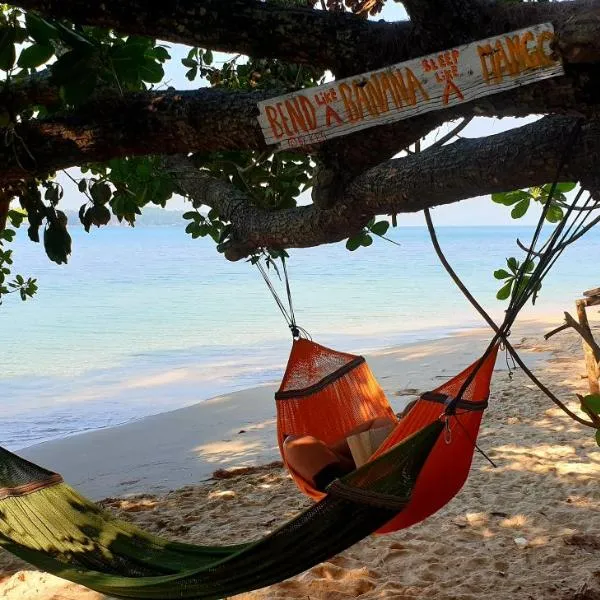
[
  {"x": 293, "y": 326},
  {"x": 522, "y": 292},
  {"x": 461, "y": 286},
  {"x": 289, "y": 317}
]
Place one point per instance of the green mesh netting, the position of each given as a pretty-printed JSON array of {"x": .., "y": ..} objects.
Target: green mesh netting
[{"x": 59, "y": 531}]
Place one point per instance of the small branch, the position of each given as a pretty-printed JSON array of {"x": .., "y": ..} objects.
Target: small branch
[
  {"x": 453, "y": 133},
  {"x": 586, "y": 335},
  {"x": 548, "y": 335}
]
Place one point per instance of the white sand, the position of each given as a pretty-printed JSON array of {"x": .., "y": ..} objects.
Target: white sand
[{"x": 527, "y": 529}]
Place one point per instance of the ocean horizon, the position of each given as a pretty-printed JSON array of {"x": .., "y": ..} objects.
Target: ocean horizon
[{"x": 147, "y": 320}]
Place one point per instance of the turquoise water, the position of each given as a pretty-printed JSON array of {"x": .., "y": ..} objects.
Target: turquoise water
[{"x": 146, "y": 320}]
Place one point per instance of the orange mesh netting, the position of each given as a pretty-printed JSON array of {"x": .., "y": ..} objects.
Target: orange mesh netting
[{"x": 325, "y": 393}]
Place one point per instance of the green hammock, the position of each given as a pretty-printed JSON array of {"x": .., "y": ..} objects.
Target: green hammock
[{"x": 51, "y": 526}]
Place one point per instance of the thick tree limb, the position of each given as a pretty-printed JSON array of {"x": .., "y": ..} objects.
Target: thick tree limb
[
  {"x": 518, "y": 158},
  {"x": 455, "y": 20},
  {"x": 320, "y": 38},
  {"x": 522, "y": 157},
  {"x": 143, "y": 123},
  {"x": 253, "y": 227},
  {"x": 35, "y": 90},
  {"x": 343, "y": 42},
  {"x": 173, "y": 122}
]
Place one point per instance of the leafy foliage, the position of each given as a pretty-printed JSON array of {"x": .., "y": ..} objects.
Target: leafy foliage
[
  {"x": 88, "y": 61},
  {"x": 359, "y": 7},
  {"x": 26, "y": 288},
  {"x": 365, "y": 237},
  {"x": 521, "y": 200},
  {"x": 516, "y": 271}
]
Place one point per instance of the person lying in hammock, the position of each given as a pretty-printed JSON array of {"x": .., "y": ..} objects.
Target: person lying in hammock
[{"x": 319, "y": 463}]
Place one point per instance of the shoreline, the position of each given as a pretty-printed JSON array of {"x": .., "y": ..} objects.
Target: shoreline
[
  {"x": 165, "y": 451},
  {"x": 528, "y": 528},
  {"x": 174, "y": 381},
  {"x": 175, "y": 378}
]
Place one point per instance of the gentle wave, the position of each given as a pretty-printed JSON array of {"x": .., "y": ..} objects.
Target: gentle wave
[{"x": 147, "y": 320}]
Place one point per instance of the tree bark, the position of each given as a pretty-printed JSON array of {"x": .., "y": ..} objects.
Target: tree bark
[
  {"x": 320, "y": 38},
  {"x": 519, "y": 158},
  {"x": 137, "y": 124},
  {"x": 204, "y": 120},
  {"x": 345, "y": 43}
]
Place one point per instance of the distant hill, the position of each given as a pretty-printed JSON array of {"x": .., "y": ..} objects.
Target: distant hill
[{"x": 151, "y": 217}]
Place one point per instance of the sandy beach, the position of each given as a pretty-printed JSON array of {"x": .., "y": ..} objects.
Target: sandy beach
[{"x": 529, "y": 528}]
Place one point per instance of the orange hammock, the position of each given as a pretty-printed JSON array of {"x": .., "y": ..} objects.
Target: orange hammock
[{"x": 325, "y": 393}]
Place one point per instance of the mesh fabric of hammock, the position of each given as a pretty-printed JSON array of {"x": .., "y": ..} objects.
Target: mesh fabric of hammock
[
  {"x": 326, "y": 393},
  {"x": 419, "y": 468},
  {"x": 50, "y": 525}
]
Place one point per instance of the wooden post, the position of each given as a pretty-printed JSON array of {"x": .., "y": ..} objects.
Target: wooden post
[{"x": 592, "y": 367}]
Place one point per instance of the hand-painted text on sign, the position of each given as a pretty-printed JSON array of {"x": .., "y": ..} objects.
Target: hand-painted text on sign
[{"x": 407, "y": 89}]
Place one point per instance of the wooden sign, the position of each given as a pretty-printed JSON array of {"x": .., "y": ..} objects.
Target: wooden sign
[{"x": 411, "y": 88}]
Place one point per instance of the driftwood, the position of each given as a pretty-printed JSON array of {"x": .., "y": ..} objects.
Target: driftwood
[{"x": 591, "y": 349}]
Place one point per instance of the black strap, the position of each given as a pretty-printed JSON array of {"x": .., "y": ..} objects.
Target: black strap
[
  {"x": 463, "y": 404},
  {"x": 316, "y": 387}
]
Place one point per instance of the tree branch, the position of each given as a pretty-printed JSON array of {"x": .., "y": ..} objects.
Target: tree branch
[
  {"x": 252, "y": 227},
  {"x": 441, "y": 175},
  {"x": 522, "y": 157},
  {"x": 345, "y": 43},
  {"x": 456, "y": 20},
  {"x": 320, "y": 38},
  {"x": 143, "y": 123}
]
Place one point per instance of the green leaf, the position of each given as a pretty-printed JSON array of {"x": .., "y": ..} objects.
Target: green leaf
[
  {"x": 555, "y": 214},
  {"x": 7, "y": 234},
  {"x": 592, "y": 403},
  {"x": 190, "y": 63},
  {"x": 565, "y": 187},
  {"x": 380, "y": 228},
  {"x": 502, "y": 274},
  {"x": 366, "y": 240},
  {"x": 57, "y": 242},
  {"x": 161, "y": 53},
  {"x": 99, "y": 215},
  {"x": 151, "y": 71},
  {"x": 192, "y": 73},
  {"x": 520, "y": 209},
  {"x": 504, "y": 291},
  {"x": 353, "y": 243},
  {"x": 191, "y": 214},
  {"x": 16, "y": 217},
  {"x": 82, "y": 185},
  {"x": 7, "y": 48},
  {"x": 35, "y": 55},
  {"x": 100, "y": 192},
  {"x": 208, "y": 57},
  {"x": 71, "y": 65},
  {"x": 529, "y": 266},
  {"x": 513, "y": 264},
  {"x": 39, "y": 29},
  {"x": 72, "y": 38},
  {"x": 510, "y": 198}
]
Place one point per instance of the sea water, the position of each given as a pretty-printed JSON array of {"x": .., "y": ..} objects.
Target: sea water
[{"x": 147, "y": 320}]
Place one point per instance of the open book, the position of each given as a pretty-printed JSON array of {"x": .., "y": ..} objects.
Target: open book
[{"x": 363, "y": 445}]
